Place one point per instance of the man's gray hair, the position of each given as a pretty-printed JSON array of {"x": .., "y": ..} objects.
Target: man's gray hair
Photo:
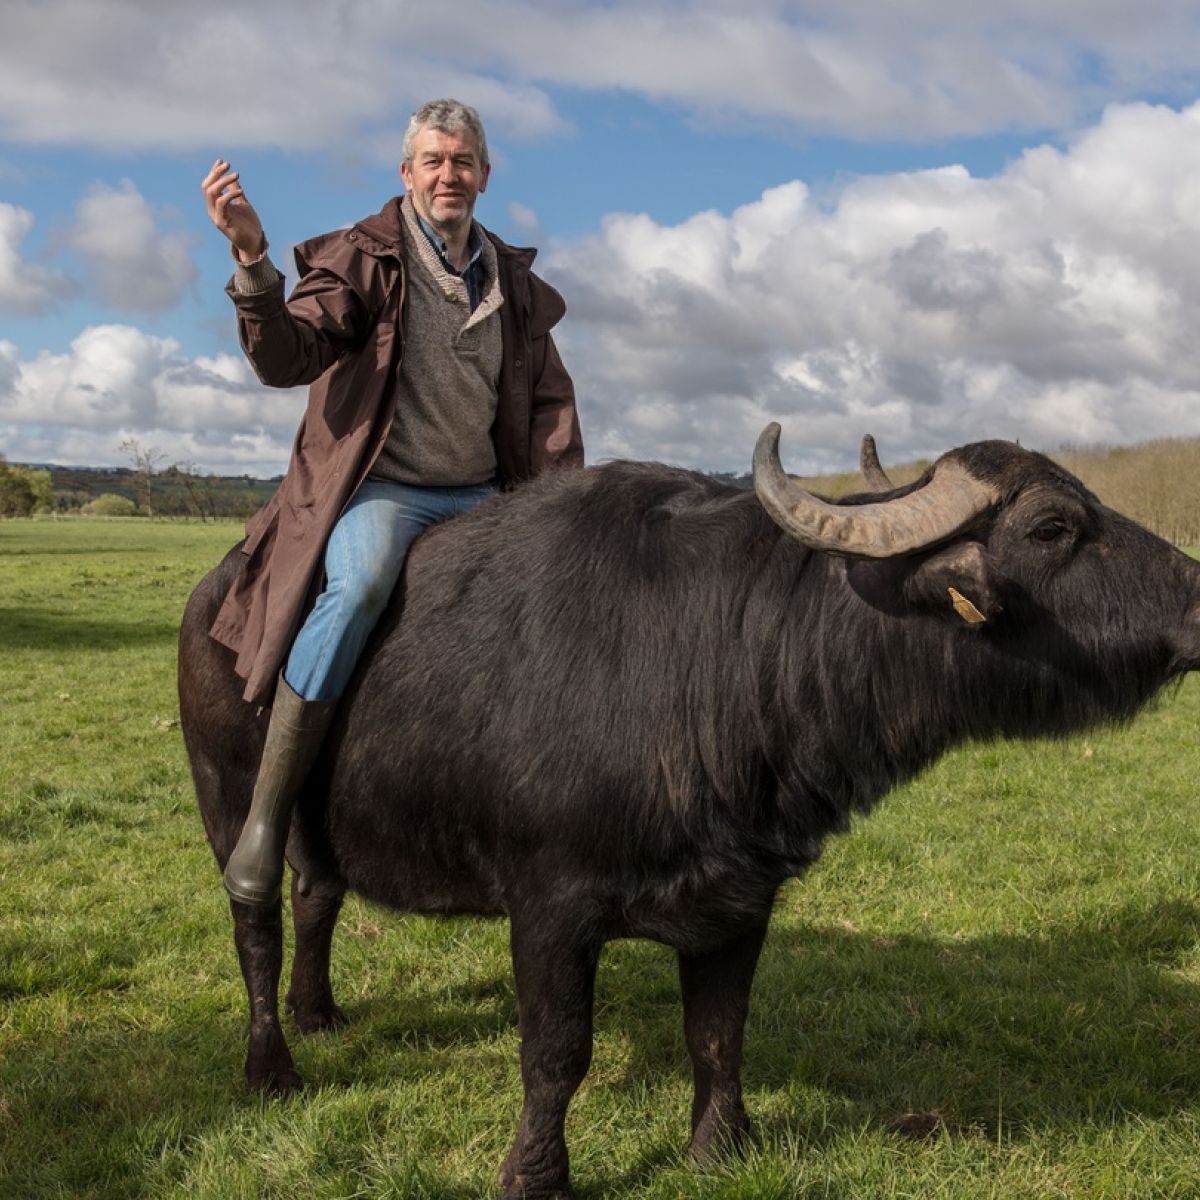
[{"x": 446, "y": 116}]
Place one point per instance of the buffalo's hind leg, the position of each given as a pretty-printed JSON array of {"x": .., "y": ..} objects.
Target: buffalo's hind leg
[
  {"x": 554, "y": 965},
  {"x": 224, "y": 739},
  {"x": 223, "y": 783},
  {"x": 315, "y": 908},
  {"x": 258, "y": 935},
  {"x": 716, "y": 998}
]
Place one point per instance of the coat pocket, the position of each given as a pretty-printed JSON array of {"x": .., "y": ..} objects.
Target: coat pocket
[{"x": 303, "y": 518}]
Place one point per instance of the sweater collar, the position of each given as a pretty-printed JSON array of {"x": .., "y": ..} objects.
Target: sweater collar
[
  {"x": 474, "y": 243},
  {"x": 386, "y": 230}
]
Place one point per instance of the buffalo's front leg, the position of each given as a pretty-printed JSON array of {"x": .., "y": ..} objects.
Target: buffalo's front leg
[
  {"x": 258, "y": 935},
  {"x": 716, "y": 997},
  {"x": 555, "y": 970},
  {"x": 314, "y": 915}
]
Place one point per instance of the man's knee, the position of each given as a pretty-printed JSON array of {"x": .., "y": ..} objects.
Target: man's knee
[
  {"x": 367, "y": 589},
  {"x": 377, "y": 586}
]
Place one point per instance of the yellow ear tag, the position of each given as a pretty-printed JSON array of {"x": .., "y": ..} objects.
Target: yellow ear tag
[{"x": 965, "y": 608}]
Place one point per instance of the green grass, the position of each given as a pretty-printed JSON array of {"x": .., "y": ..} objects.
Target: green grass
[{"x": 1009, "y": 949}]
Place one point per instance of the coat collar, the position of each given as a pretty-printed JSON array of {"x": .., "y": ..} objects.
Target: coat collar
[{"x": 382, "y": 233}]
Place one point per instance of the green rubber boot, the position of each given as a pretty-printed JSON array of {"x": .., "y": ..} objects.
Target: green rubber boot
[{"x": 297, "y": 727}]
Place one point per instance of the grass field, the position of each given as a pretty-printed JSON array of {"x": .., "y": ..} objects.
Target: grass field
[{"x": 991, "y": 988}]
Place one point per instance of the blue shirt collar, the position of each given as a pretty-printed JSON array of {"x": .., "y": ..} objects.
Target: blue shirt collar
[{"x": 474, "y": 243}]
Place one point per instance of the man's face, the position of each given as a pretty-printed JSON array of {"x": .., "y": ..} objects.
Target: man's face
[{"x": 444, "y": 177}]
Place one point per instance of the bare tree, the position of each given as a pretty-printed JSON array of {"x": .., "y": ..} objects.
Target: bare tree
[
  {"x": 198, "y": 488},
  {"x": 144, "y": 459}
]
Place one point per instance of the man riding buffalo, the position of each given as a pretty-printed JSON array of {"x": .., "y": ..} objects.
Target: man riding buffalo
[{"x": 434, "y": 381}]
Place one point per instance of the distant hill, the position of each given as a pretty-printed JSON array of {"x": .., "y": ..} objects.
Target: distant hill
[
  {"x": 1156, "y": 483},
  {"x": 173, "y": 492}
]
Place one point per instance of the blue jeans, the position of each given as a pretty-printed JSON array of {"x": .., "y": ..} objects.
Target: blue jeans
[{"x": 363, "y": 559}]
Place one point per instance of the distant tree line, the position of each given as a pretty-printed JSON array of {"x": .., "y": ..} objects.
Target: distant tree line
[
  {"x": 1156, "y": 483},
  {"x": 179, "y": 490},
  {"x": 24, "y": 490}
]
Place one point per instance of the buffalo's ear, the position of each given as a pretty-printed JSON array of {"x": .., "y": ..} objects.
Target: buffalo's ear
[{"x": 955, "y": 581}]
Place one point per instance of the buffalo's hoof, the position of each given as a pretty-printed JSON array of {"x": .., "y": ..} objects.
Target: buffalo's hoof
[
  {"x": 269, "y": 1065},
  {"x": 517, "y": 1188},
  {"x": 318, "y": 1018},
  {"x": 275, "y": 1084},
  {"x": 713, "y": 1141}
]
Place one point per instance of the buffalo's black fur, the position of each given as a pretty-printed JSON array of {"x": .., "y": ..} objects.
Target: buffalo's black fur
[{"x": 622, "y": 702}]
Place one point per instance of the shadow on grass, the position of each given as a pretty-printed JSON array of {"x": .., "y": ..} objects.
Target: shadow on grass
[
  {"x": 34, "y": 629},
  {"x": 1085, "y": 1025},
  {"x": 53, "y": 551}
]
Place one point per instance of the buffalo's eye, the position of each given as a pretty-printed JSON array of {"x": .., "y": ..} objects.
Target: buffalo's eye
[{"x": 1049, "y": 530}]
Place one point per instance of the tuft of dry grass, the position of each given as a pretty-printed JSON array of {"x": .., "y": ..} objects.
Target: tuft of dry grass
[{"x": 1157, "y": 483}]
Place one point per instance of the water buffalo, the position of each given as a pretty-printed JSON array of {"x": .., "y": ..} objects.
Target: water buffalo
[{"x": 630, "y": 701}]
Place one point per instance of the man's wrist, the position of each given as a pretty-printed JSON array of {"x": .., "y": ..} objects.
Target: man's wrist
[
  {"x": 252, "y": 259},
  {"x": 258, "y": 276}
]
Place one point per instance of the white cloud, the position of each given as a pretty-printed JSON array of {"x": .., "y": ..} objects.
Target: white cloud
[
  {"x": 1056, "y": 302},
  {"x": 225, "y": 75},
  {"x": 304, "y": 75},
  {"x": 116, "y": 381},
  {"x": 25, "y": 288},
  {"x": 135, "y": 266},
  {"x": 9, "y": 367},
  {"x": 525, "y": 221}
]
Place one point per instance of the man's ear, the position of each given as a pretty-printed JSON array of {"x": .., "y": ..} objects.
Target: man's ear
[{"x": 955, "y": 581}]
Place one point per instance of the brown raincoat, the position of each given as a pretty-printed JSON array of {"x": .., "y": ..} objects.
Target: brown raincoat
[{"x": 342, "y": 331}]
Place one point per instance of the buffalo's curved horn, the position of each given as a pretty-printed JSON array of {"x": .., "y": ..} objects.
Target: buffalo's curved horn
[
  {"x": 868, "y": 464},
  {"x": 951, "y": 500}
]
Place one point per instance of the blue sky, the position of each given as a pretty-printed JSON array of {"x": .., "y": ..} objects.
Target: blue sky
[{"x": 903, "y": 218}]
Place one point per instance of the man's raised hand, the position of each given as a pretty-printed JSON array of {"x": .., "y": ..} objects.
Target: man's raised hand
[{"x": 231, "y": 212}]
